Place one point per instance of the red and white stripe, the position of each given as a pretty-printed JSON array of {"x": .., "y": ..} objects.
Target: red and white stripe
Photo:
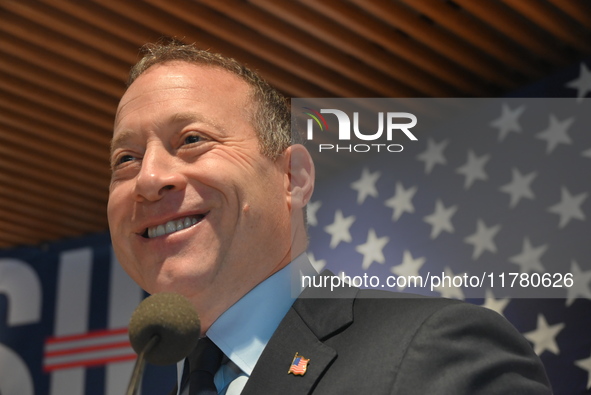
[
  {"x": 95, "y": 348},
  {"x": 299, "y": 366}
]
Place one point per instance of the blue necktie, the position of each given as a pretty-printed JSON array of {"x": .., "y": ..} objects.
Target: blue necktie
[{"x": 204, "y": 362}]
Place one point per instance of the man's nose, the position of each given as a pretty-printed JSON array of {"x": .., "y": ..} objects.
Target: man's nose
[{"x": 159, "y": 173}]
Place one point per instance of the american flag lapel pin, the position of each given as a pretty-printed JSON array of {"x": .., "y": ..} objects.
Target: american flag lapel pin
[{"x": 299, "y": 365}]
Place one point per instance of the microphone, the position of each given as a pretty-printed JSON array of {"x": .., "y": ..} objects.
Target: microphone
[{"x": 163, "y": 330}]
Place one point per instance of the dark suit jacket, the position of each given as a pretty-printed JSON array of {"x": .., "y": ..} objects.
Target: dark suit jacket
[{"x": 360, "y": 344}]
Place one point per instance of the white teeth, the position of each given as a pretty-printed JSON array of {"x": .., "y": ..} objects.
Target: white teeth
[{"x": 171, "y": 227}]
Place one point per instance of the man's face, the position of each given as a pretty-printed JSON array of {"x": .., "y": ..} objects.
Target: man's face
[{"x": 194, "y": 207}]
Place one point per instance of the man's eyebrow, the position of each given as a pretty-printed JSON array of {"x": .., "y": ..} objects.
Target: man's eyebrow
[
  {"x": 187, "y": 116},
  {"x": 125, "y": 135},
  {"x": 120, "y": 139},
  {"x": 177, "y": 118}
]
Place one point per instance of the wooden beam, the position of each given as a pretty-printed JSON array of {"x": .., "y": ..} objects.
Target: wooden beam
[
  {"x": 41, "y": 57},
  {"x": 94, "y": 38},
  {"x": 30, "y": 32},
  {"x": 226, "y": 30},
  {"x": 517, "y": 28},
  {"x": 47, "y": 189},
  {"x": 367, "y": 60},
  {"x": 579, "y": 10},
  {"x": 379, "y": 33},
  {"x": 55, "y": 101},
  {"x": 557, "y": 24},
  {"x": 439, "y": 40},
  {"x": 480, "y": 35},
  {"x": 73, "y": 132}
]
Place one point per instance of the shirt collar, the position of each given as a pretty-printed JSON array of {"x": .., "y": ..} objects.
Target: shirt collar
[{"x": 243, "y": 331}]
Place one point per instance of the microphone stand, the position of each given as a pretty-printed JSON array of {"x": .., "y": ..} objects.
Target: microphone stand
[{"x": 140, "y": 364}]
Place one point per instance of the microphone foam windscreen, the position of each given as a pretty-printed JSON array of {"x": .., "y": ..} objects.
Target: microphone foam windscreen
[{"x": 173, "y": 319}]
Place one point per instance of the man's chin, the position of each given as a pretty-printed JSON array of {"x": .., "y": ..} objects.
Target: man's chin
[{"x": 187, "y": 285}]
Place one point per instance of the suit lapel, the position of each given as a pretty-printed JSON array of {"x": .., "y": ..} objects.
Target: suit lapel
[
  {"x": 270, "y": 373},
  {"x": 310, "y": 321}
]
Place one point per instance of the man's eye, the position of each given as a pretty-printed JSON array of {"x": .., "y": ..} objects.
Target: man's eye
[
  {"x": 125, "y": 158},
  {"x": 192, "y": 139}
]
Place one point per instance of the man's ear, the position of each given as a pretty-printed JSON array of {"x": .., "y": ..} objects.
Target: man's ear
[{"x": 301, "y": 176}]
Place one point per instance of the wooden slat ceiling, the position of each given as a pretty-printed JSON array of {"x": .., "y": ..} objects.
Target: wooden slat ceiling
[{"x": 63, "y": 65}]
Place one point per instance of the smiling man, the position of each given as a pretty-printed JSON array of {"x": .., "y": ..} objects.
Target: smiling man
[
  {"x": 207, "y": 200},
  {"x": 195, "y": 206}
]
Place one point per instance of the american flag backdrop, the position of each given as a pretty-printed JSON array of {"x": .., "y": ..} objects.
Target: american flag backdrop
[{"x": 503, "y": 188}]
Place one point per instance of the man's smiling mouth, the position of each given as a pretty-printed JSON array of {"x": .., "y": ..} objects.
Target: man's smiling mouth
[{"x": 172, "y": 226}]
